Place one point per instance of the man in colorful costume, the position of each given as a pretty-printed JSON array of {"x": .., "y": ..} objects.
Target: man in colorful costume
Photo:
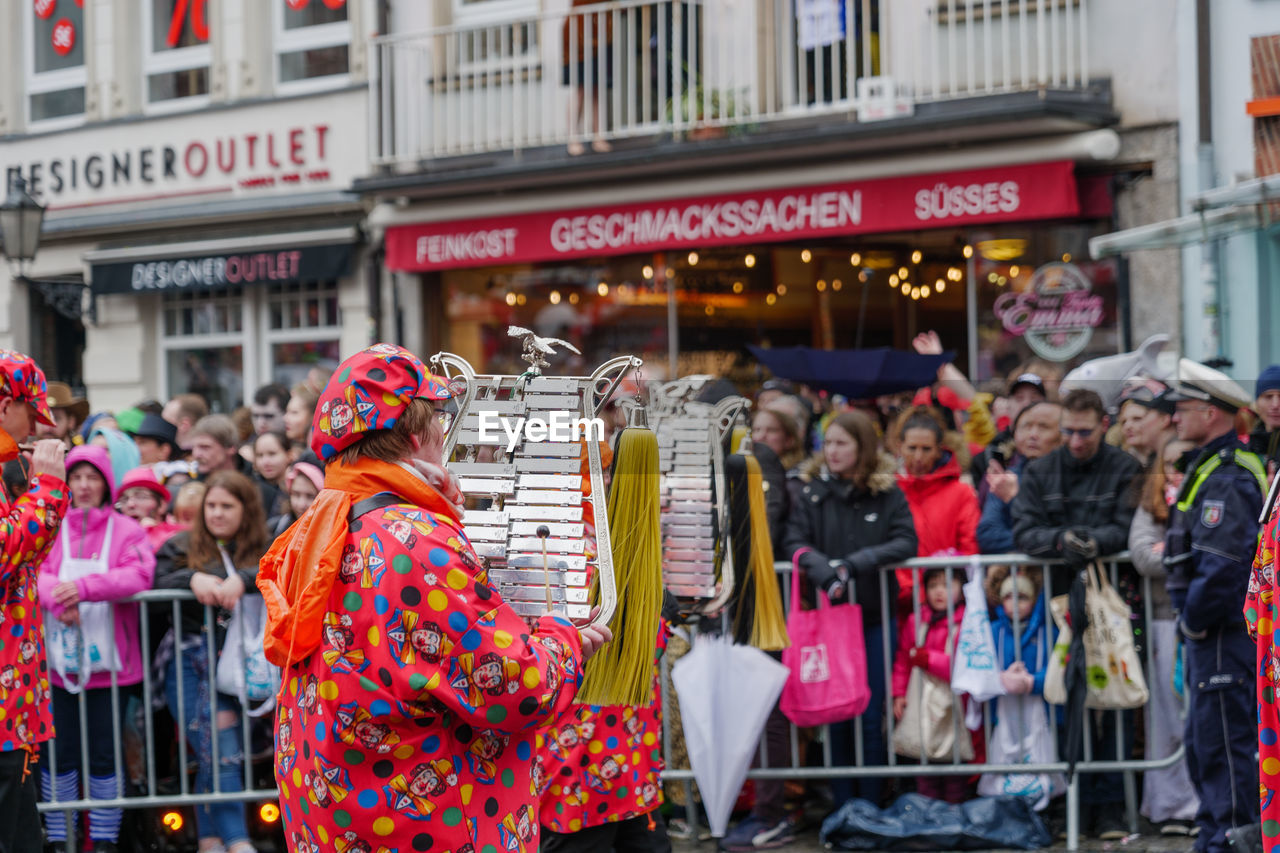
[
  {"x": 28, "y": 527},
  {"x": 382, "y": 744}
]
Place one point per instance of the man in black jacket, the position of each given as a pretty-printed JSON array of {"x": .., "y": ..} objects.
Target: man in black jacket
[
  {"x": 1072, "y": 501},
  {"x": 1074, "y": 504}
]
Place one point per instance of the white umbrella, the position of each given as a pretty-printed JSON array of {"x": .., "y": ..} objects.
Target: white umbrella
[{"x": 726, "y": 693}]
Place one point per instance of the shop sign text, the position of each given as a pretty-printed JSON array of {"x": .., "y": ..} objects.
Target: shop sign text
[
  {"x": 1015, "y": 193},
  {"x": 294, "y": 155},
  {"x": 307, "y": 263},
  {"x": 1056, "y": 316}
]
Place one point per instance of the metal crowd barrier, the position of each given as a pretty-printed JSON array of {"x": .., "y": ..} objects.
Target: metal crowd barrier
[
  {"x": 153, "y": 796},
  {"x": 955, "y": 566},
  {"x": 149, "y": 783}
]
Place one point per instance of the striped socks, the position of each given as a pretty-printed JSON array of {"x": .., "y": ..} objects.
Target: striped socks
[
  {"x": 104, "y": 824},
  {"x": 68, "y": 789}
]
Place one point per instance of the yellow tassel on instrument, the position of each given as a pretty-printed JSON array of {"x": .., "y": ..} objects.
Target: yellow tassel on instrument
[
  {"x": 621, "y": 673},
  {"x": 769, "y": 624}
]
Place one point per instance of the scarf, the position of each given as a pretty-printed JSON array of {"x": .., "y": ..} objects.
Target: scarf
[{"x": 297, "y": 574}]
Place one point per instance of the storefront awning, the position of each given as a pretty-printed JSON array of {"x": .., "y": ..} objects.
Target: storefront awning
[
  {"x": 1221, "y": 212},
  {"x": 316, "y": 255},
  {"x": 1014, "y": 193}
]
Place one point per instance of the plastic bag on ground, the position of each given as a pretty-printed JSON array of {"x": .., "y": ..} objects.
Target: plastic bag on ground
[{"x": 916, "y": 822}]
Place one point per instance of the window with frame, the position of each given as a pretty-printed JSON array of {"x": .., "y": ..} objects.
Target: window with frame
[
  {"x": 55, "y": 77},
  {"x": 313, "y": 41},
  {"x": 224, "y": 344},
  {"x": 176, "y": 62}
]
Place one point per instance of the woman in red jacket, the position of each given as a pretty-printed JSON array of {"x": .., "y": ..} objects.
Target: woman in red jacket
[{"x": 945, "y": 508}]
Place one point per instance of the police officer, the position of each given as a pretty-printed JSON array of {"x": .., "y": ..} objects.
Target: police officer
[{"x": 1212, "y": 534}]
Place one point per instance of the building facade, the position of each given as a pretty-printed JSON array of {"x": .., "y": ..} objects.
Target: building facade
[
  {"x": 195, "y": 160},
  {"x": 1232, "y": 306},
  {"x": 245, "y": 190},
  {"x": 680, "y": 178}
]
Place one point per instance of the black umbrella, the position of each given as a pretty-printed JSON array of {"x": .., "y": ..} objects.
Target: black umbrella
[
  {"x": 856, "y": 373},
  {"x": 1075, "y": 675}
]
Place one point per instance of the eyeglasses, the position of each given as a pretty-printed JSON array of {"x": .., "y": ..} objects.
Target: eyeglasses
[
  {"x": 445, "y": 418},
  {"x": 1078, "y": 433}
]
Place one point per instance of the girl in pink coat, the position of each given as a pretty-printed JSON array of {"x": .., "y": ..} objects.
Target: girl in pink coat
[
  {"x": 933, "y": 657},
  {"x": 100, "y": 557}
]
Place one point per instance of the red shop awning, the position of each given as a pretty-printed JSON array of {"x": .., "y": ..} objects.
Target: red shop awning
[{"x": 1018, "y": 193}]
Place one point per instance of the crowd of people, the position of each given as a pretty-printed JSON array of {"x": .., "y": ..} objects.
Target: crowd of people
[
  {"x": 170, "y": 496},
  {"x": 1174, "y": 473},
  {"x": 158, "y": 495}
]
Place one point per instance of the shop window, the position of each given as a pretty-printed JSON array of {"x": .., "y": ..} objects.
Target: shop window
[
  {"x": 313, "y": 39},
  {"x": 225, "y": 344},
  {"x": 176, "y": 64},
  {"x": 55, "y": 77},
  {"x": 304, "y": 324}
]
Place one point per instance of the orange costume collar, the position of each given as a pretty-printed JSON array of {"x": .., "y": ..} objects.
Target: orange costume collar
[{"x": 297, "y": 574}]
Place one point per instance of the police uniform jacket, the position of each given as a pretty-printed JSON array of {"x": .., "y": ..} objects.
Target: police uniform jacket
[{"x": 1212, "y": 536}]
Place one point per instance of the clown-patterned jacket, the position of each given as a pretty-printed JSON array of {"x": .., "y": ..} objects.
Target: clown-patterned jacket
[
  {"x": 601, "y": 763},
  {"x": 411, "y": 726},
  {"x": 1261, "y": 611},
  {"x": 28, "y": 527}
]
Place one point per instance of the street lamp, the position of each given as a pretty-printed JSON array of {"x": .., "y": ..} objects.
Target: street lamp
[{"x": 21, "y": 218}]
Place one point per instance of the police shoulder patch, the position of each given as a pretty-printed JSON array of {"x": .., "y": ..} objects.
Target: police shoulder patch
[{"x": 1211, "y": 514}]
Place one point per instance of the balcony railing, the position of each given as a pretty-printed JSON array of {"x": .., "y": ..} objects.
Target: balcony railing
[{"x": 631, "y": 68}]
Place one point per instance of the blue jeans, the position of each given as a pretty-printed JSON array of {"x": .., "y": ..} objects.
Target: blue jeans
[
  {"x": 224, "y": 820},
  {"x": 874, "y": 745}
]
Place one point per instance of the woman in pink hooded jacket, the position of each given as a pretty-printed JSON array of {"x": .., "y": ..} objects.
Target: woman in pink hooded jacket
[{"x": 100, "y": 556}]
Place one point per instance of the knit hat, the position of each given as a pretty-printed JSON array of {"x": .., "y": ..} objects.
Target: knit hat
[
  {"x": 130, "y": 420},
  {"x": 368, "y": 392},
  {"x": 22, "y": 380},
  {"x": 144, "y": 478},
  {"x": 306, "y": 470},
  {"x": 1026, "y": 589},
  {"x": 1268, "y": 380}
]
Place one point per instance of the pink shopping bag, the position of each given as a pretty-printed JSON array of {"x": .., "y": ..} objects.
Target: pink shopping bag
[{"x": 827, "y": 659}]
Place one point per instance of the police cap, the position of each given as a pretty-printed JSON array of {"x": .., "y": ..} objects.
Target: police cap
[{"x": 1195, "y": 381}]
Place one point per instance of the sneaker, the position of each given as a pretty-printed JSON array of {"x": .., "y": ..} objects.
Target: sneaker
[
  {"x": 1109, "y": 827},
  {"x": 105, "y": 847},
  {"x": 1176, "y": 827},
  {"x": 757, "y": 834},
  {"x": 679, "y": 828},
  {"x": 1195, "y": 830}
]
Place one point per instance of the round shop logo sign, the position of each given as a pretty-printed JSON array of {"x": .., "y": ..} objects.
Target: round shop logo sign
[{"x": 1056, "y": 315}]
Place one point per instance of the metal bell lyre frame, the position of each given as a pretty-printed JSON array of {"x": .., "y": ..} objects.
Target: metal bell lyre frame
[
  {"x": 671, "y": 408},
  {"x": 499, "y": 479},
  {"x": 724, "y": 416}
]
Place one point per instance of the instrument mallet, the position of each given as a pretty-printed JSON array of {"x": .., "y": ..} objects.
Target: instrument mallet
[{"x": 543, "y": 532}]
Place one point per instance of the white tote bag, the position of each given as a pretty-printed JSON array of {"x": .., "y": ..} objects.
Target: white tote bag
[
  {"x": 1114, "y": 670},
  {"x": 243, "y": 669},
  {"x": 1022, "y": 737},
  {"x": 931, "y": 723},
  {"x": 974, "y": 669},
  {"x": 78, "y": 651}
]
